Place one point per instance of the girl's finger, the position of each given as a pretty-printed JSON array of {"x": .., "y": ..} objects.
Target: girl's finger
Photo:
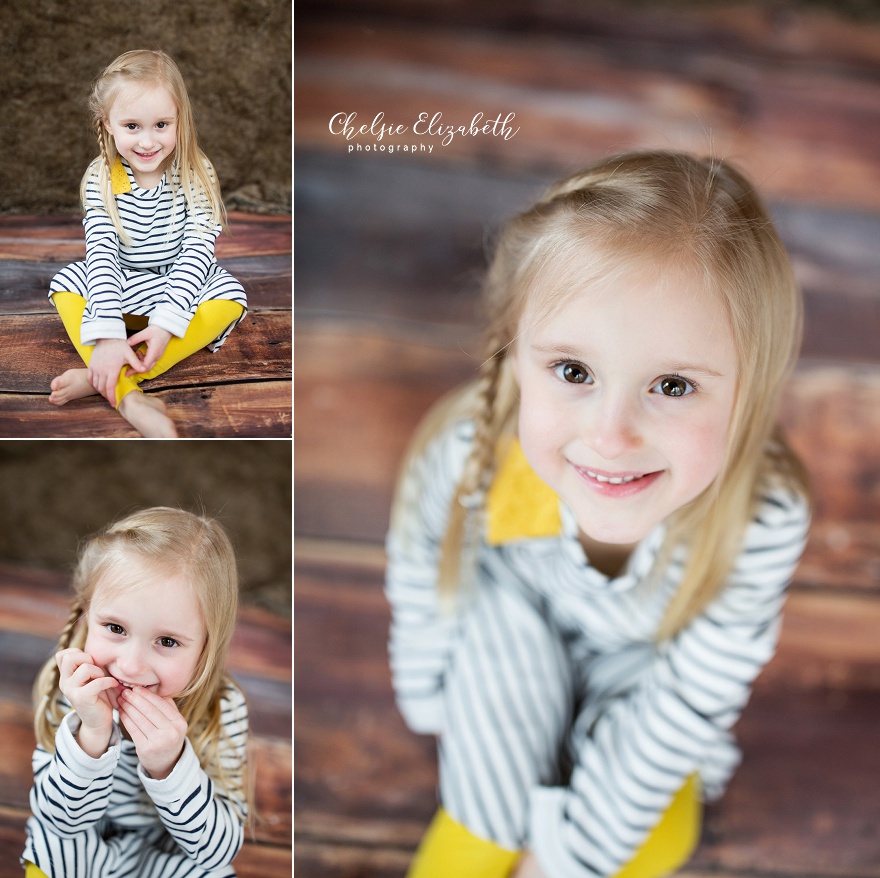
[
  {"x": 85, "y": 672},
  {"x": 144, "y": 708},
  {"x": 163, "y": 705},
  {"x": 131, "y": 726},
  {"x": 100, "y": 684}
]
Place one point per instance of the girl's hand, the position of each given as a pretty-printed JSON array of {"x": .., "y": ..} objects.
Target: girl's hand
[
  {"x": 156, "y": 728},
  {"x": 527, "y": 868},
  {"x": 108, "y": 357},
  {"x": 88, "y": 689},
  {"x": 156, "y": 340}
]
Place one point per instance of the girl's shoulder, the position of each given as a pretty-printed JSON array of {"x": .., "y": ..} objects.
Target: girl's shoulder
[
  {"x": 448, "y": 423},
  {"x": 780, "y": 503},
  {"x": 441, "y": 443},
  {"x": 232, "y": 698}
]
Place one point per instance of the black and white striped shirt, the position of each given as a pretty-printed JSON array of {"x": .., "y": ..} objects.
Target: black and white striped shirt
[
  {"x": 106, "y": 818},
  {"x": 649, "y": 714},
  {"x": 165, "y": 269}
]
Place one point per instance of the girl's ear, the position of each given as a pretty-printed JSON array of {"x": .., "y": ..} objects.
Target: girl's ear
[{"x": 107, "y": 124}]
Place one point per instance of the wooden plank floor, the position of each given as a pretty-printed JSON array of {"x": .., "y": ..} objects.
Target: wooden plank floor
[
  {"x": 33, "y": 609},
  {"x": 244, "y": 390},
  {"x": 389, "y": 253}
]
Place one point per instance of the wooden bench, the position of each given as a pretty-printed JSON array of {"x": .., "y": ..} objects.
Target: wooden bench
[
  {"x": 241, "y": 391},
  {"x": 33, "y": 609},
  {"x": 390, "y": 250}
]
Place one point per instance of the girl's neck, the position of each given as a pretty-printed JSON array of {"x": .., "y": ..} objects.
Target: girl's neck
[
  {"x": 151, "y": 180},
  {"x": 607, "y": 558}
]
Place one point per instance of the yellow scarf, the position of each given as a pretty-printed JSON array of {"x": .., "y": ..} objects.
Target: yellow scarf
[{"x": 519, "y": 504}]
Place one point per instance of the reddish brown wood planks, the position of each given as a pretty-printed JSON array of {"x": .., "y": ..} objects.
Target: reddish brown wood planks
[
  {"x": 576, "y": 97},
  {"x": 251, "y": 410},
  {"x": 37, "y": 349}
]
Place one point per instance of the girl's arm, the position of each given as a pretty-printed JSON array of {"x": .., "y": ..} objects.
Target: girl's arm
[
  {"x": 71, "y": 790},
  {"x": 638, "y": 753},
  {"x": 206, "y": 823},
  {"x": 188, "y": 276},
  {"x": 422, "y": 634},
  {"x": 103, "y": 315}
]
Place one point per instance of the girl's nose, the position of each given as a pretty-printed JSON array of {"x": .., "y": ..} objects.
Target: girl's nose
[
  {"x": 612, "y": 428},
  {"x": 131, "y": 664}
]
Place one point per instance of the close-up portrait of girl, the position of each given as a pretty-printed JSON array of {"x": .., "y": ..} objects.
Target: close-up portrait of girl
[
  {"x": 591, "y": 544},
  {"x": 141, "y": 734}
]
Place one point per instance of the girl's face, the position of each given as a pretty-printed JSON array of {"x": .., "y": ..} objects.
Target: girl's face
[
  {"x": 150, "y": 636},
  {"x": 143, "y": 122},
  {"x": 627, "y": 391}
]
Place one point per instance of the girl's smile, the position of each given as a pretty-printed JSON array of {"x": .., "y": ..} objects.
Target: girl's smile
[
  {"x": 626, "y": 392},
  {"x": 620, "y": 484}
]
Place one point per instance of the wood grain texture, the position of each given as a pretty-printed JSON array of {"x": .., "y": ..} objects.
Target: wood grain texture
[
  {"x": 225, "y": 411},
  {"x": 37, "y": 349},
  {"x": 578, "y": 95}
]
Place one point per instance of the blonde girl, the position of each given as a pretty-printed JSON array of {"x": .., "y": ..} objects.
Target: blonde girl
[
  {"x": 590, "y": 546},
  {"x": 141, "y": 735},
  {"x": 152, "y": 214}
]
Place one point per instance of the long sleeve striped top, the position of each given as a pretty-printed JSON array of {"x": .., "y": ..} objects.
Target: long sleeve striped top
[
  {"x": 652, "y": 713},
  {"x": 106, "y": 818},
  {"x": 166, "y": 241}
]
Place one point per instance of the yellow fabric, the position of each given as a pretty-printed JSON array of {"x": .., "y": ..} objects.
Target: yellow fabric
[
  {"x": 519, "y": 504},
  {"x": 31, "y": 871},
  {"x": 448, "y": 850},
  {"x": 209, "y": 321},
  {"x": 119, "y": 178},
  {"x": 673, "y": 840}
]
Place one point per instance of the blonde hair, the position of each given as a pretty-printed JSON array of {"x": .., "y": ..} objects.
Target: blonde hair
[
  {"x": 680, "y": 210},
  {"x": 145, "y": 68},
  {"x": 126, "y": 553}
]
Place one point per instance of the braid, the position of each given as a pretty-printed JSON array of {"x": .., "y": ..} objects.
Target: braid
[
  {"x": 466, "y": 510},
  {"x": 46, "y": 715},
  {"x": 102, "y": 143},
  {"x": 479, "y": 465}
]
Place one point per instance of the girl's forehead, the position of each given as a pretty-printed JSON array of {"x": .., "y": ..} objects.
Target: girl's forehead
[
  {"x": 138, "y": 97},
  {"x": 137, "y": 583}
]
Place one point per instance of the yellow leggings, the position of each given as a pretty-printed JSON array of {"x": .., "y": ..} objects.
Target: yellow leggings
[
  {"x": 449, "y": 849},
  {"x": 209, "y": 321}
]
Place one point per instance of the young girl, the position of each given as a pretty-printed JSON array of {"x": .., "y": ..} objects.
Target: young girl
[
  {"x": 590, "y": 547},
  {"x": 152, "y": 213},
  {"x": 140, "y": 733}
]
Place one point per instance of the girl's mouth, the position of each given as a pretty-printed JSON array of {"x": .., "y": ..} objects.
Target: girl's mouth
[
  {"x": 126, "y": 685},
  {"x": 620, "y": 484},
  {"x": 146, "y": 156}
]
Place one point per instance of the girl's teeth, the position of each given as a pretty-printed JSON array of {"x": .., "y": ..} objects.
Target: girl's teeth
[{"x": 613, "y": 481}]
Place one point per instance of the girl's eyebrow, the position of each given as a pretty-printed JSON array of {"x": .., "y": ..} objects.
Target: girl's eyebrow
[{"x": 693, "y": 367}]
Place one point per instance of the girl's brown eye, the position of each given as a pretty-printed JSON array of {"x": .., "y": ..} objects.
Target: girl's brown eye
[
  {"x": 674, "y": 386},
  {"x": 574, "y": 373}
]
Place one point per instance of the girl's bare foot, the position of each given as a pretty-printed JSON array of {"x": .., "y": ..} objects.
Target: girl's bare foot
[
  {"x": 147, "y": 416},
  {"x": 72, "y": 384}
]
